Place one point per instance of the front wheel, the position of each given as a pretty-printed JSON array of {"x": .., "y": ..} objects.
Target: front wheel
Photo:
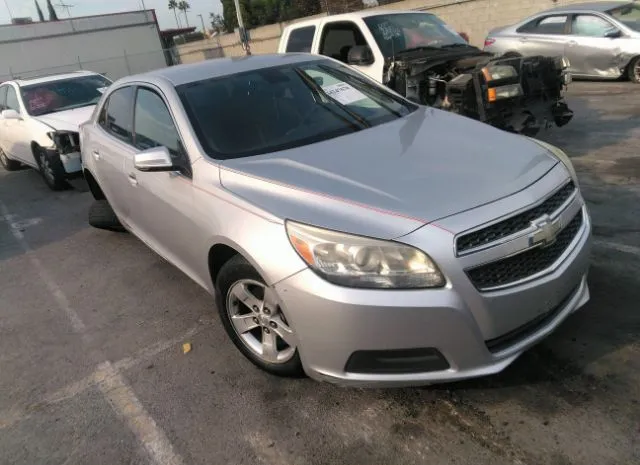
[
  {"x": 7, "y": 163},
  {"x": 634, "y": 70},
  {"x": 254, "y": 321},
  {"x": 51, "y": 169}
]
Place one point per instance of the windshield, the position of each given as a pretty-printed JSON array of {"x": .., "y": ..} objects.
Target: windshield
[
  {"x": 278, "y": 108},
  {"x": 629, "y": 15},
  {"x": 65, "y": 94},
  {"x": 395, "y": 33}
]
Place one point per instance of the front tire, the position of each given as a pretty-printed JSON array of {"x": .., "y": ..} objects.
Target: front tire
[
  {"x": 51, "y": 169},
  {"x": 102, "y": 216},
  {"x": 253, "y": 320},
  {"x": 7, "y": 163},
  {"x": 633, "y": 71}
]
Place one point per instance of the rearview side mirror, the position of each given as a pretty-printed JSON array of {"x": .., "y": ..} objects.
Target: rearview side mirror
[
  {"x": 10, "y": 114},
  {"x": 613, "y": 34},
  {"x": 153, "y": 159},
  {"x": 360, "y": 55}
]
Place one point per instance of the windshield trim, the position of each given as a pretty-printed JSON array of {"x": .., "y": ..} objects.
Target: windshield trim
[{"x": 351, "y": 127}]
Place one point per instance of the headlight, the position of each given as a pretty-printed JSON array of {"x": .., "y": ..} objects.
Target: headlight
[
  {"x": 493, "y": 73},
  {"x": 356, "y": 261},
  {"x": 498, "y": 93},
  {"x": 560, "y": 155}
]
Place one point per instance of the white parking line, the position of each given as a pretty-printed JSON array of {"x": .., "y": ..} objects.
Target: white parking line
[
  {"x": 130, "y": 409},
  {"x": 108, "y": 377},
  {"x": 618, "y": 247},
  {"x": 58, "y": 295}
]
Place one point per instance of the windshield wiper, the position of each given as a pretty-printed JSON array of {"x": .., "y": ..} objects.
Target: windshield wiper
[
  {"x": 418, "y": 48},
  {"x": 318, "y": 91}
]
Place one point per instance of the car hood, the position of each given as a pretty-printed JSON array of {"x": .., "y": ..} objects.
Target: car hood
[
  {"x": 68, "y": 120},
  {"x": 426, "y": 166}
]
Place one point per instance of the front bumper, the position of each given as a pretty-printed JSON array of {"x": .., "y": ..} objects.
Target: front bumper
[{"x": 477, "y": 333}]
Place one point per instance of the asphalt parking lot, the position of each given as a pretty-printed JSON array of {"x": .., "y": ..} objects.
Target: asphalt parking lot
[{"x": 92, "y": 369}]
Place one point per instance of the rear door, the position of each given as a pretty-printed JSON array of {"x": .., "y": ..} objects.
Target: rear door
[
  {"x": 592, "y": 47},
  {"x": 545, "y": 35},
  {"x": 111, "y": 149}
]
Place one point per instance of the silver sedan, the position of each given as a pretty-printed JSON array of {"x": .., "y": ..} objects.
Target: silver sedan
[
  {"x": 344, "y": 231},
  {"x": 601, "y": 40}
]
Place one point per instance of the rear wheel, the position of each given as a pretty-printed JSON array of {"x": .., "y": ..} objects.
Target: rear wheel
[
  {"x": 634, "y": 70},
  {"x": 8, "y": 164},
  {"x": 102, "y": 216},
  {"x": 51, "y": 169},
  {"x": 254, "y": 321}
]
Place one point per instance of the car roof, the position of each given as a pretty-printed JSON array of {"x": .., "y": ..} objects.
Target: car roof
[
  {"x": 588, "y": 6},
  {"x": 356, "y": 14},
  {"x": 50, "y": 78},
  {"x": 184, "y": 74}
]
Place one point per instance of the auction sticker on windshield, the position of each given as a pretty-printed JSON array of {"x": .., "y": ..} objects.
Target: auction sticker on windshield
[{"x": 344, "y": 93}]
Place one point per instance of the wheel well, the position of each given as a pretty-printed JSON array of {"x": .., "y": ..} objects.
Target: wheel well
[
  {"x": 511, "y": 54},
  {"x": 219, "y": 254},
  {"x": 34, "y": 146},
  {"x": 93, "y": 186}
]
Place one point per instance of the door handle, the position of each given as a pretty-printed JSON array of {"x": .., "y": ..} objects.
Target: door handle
[
  {"x": 523, "y": 39},
  {"x": 96, "y": 154},
  {"x": 132, "y": 179},
  {"x": 572, "y": 43}
]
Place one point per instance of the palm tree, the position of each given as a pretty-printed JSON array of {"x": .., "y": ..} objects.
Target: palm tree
[
  {"x": 184, "y": 7},
  {"x": 173, "y": 5}
]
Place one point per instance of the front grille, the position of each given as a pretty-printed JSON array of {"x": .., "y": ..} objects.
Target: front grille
[
  {"x": 516, "y": 223},
  {"x": 525, "y": 264},
  {"x": 503, "y": 342}
]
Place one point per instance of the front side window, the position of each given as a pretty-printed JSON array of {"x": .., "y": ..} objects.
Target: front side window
[
  {"x": 154, "y": 125},
  {"x": 118, "y": 118},
  {"x": 591, "y": 26},
  {"x": 629, "y": 15},
  {"x": 400, "y": 32},
  {"x": 300, "y": 39},
  {"x": 12, "y": 100},
  {"x": 283, "y": 107},
  {"x": 64, "y": 94},
  {"x": 338, "y": 38},
  {"x": 3, "y": 97},
  {"x": 553, "y": 25}
]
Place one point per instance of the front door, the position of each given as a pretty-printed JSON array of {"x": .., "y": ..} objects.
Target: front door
[
  {"x": 593, "y": 47},
  {"x": 17, "y": 140},
  {"x": 163, "y": 207}
]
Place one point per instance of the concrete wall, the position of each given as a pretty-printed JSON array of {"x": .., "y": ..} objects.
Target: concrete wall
[{"x": 475, "y": 17}]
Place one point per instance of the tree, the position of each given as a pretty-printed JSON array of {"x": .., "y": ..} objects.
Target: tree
[
  {"x": 217, "y": 22},
  {"x": 40, "y": 14},
  {"x": 260, "y": 12},
  {"x": 173, "y": 5},
  {"x": 52, "y": 12},
  {"x": 184, "y": 7}
]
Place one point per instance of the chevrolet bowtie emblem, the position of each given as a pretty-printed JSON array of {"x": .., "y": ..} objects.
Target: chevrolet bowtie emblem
[{"x": 546, "y": 231}]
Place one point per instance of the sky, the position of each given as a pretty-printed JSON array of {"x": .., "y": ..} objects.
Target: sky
[{"x": 22, "y": 8}]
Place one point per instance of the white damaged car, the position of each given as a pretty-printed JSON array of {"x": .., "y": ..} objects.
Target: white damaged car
[{"x": 39, "y": 121}]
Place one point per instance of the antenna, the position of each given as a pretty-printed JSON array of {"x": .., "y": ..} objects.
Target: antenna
[{"x": 66, "y": 7}]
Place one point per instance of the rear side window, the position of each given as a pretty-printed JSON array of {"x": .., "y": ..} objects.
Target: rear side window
[
  {"x": 118, "y": 119},
  {"x": 300, "y": 39},
  {"x": 546, "y": 25}
]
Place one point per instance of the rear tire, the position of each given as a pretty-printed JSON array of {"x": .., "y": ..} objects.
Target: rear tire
[
  {"x": 633, "y": 71},
  {"x": 51, "y": 169},
  {"x": 102, "y": 216},
  {"x": 7, "y": 163},
  {"x": 264, "y": 323}
]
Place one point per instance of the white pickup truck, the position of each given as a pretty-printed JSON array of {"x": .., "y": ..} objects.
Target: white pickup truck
[{"x": 422, "y": 58}]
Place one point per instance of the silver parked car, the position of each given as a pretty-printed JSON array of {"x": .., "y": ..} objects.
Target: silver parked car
[
  {"x": 344, "y": 231},
  {"x": 600, "y": 39}
]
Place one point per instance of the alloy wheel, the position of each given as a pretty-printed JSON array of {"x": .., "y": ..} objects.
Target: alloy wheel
[
  {"x": 259, "y": 323},
  {"x": 45, "y": 166}
]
